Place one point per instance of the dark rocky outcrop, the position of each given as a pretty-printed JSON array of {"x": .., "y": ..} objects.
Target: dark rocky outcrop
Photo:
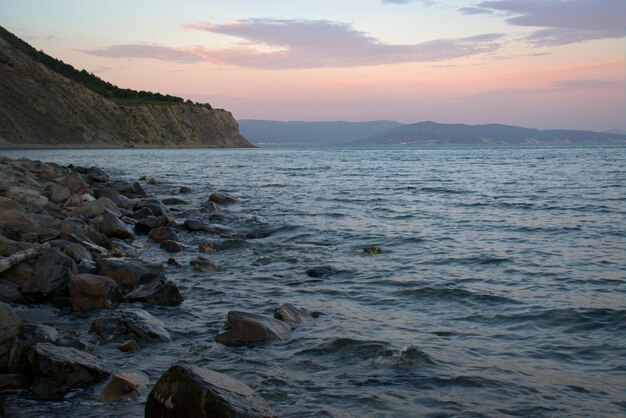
[
  {"x": 57, "y": 369},
  {"x": 185, "y": 391},
  {"x": 51, "y": 275},
  {"x": 135, "y": 323},
  {"x": 89, "y": 292},
  {"x": 172, "y": 246},
  {"x": 123, "y": 385},
  {"x": 291, "y": 315},
  {"x": 163, "y": 234},
  {"x": 221, "y": 198},
  {"x": 158, "y": 292},
  {"x": 249, "y": 328},
  {"x": 128, "y": 273}
]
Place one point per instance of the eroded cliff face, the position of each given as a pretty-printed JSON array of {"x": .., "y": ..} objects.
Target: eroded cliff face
[{"x": 41, "y": 107}]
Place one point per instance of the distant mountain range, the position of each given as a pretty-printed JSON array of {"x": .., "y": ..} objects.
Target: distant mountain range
[
  {"x": 269, "y": 132},
  {"x": 265, "y": 132}
]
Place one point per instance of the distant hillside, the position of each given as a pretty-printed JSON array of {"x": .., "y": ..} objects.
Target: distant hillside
[
  {"x": 44, "y": 102},
  {"x": 439, "y": 133},
  {"x": 310, "y": 133}
]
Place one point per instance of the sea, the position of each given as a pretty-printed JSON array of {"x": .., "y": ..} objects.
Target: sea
[{"x": 497, "y": 287}]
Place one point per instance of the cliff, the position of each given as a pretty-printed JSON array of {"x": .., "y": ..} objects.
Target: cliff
[{"x": 40, "y": 107}]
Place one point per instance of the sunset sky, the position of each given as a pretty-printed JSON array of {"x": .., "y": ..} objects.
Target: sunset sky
[{"x": 535, "y": 63}]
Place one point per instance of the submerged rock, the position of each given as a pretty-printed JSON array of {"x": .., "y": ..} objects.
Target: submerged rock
[
  {"x": 187, "y": 391},
  {"x": 123, "y": 385},
  {"x": 174, "y": 201},
  {"x": 159, "y": 292},
  {"x": 128, "y": 273},
  {"x": 89, "y": 292},
  {"x": 248, "y": 328},
  {"x": 135, "y": 323},
  {"x": 185, "y": 189},
  {"x": 320, "y": 271},
  {"x": 291, "y": 315},
  {"x": 57, "y": 369},
  {"x": 221, "y": 198},
  {"x": 172, "y": 246},
  {"x": 163, "y": 234}
]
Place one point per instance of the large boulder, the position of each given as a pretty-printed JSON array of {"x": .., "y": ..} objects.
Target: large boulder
[
  {"x": 95, "y": 208},
  {"x": 187, "y": 391},
  {"x": 57, "y": 193},
  {"x": 9, "y": 328},
  {"x": 163, "y": 234},
  {"x": 291, "y": 315},
  {"x": 135, "y": 323},
  {"x": 89, "y": 292},
  {"x": 221, "y": 198},
  {"x": 57, "y": 369},
  {"x": 28, "y": 197},
  {"x": 128, "y": 272},
  {"x": 249, "y": 328},
  {"x": 51, "y": 275},
  {"x": 111, "y": 226},
  {"x": 158, "y": 292},
  {"x": 9, "y": 246}
]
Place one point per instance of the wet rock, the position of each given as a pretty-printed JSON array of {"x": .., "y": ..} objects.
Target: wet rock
[
  {"x": 9, "y": 328},
  {"x": 139, "y": 191},
  {"x": 210, "y": 207},
  {"x": 163, "y": 234},
  {"x": 75, "y": 184},
  {"x": 120, "y": 248},
  {"x": 165, "y": 220},
  {"x": 173, "y": 201},
  {"x": 95, "y": 208},
  {"x": 124, "y": 187},
  {"x": 185, "y": 190},
  {"x": 57, "y": 369},
  {"x": 30, "y": 334},
  {"x": 156, "y": 206},
  {"x": 97, "y": 175},
  {"x": 201, "y": 264},
  {"x": 111, "y": 226},
  {"x": 172, "y": 246},
  {"x": 143, "y": 213},
  {"x": 128, "y": 273},
  {"x": 89, "y": 292},
  {"x": 51, "y": 275},
  {"x": 9, "y": 246},
  {"x": 124, "y": 385},
  {"x": 188, "y": 391},
  {"x": 221, "y": 198},
  {"x": 147, "y": 179},
  {"x": 372, "y": 250},
  {"x": 134, "y": 323},
  {"x": 18, "y": 275},
  {"x": 195, "y": 226},
  {"x": 144, "y": 226},
  {"x": 207, "y": 247},
  {"x": 28, "y": 197},
  {"x": 174, "y": 262},
  {"x": 128, "y": 346},
  {"x": 248, "y": 328},
  {"x": 78, "y": 253},
  {"x": 320, "y": 271},
  {"x": 13, "y": 381},
  {"x": 158, "y": 292},
  {"x": 291, "y": 315},
  {"x": 18, "y": 225}
]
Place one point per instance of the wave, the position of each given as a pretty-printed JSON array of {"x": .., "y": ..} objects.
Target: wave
[{"x": 452, "y": 294}]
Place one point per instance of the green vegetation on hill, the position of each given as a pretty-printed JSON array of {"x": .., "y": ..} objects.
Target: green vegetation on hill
[{"x": 92, "y": 82}]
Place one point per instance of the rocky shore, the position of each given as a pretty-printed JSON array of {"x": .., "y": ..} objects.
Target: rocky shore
[{"x": 69, "y": 239}]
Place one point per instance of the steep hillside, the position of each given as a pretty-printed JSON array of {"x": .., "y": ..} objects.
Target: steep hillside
[
  {"x": 310, "y": 133},
  {"x": 441, "y": 133},
  {"x": 39, "y": 106}
]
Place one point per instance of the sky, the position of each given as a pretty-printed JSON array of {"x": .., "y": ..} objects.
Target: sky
[{"x": 535, "y": 63}]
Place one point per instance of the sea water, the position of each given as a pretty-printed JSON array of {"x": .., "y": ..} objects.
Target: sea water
[{"x": 499, "y": 290}]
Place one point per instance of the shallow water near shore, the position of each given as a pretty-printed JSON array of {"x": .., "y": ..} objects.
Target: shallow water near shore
[{"x": 500, "y": 289}]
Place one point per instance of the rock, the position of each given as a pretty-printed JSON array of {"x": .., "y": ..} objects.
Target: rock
[
  {"x": 207, "y": 247},
  {"x": 124, "y": 187},
  {"x": 128, "y": 273},
  {"x": 163, "y": 234},
  {"x": 120, "y": 248},
  {"x": 185, "y": 190},
  {"x": 89, "y": 292},
  {"x": 172, "y": 246},
  {"x": 75, "y": 184},
  {"x": 94, "y": 208},
  {"x": 156, "y": 206},
  {"x": 210, "y": 207},
  {"x": 123, "y": 385},
  {"x": 187, "y": 391},
  {"x": 9, "y": 246},
  {"x": 248, "y": 328},
  {"x": 97, "y": 175},
  {"x": 320, "y": 271},
  {"x": 9, "y": 328},
  {"x": 139, "y": 191},
  {"x": 109, "y": 193},
  {"x": 159, "y": 292},
  {"x": 202, "y": 263},
  {"x": 195, "y": 226},
  {"x": 147, "y": 179},
  {"x": 57, "y": 369},
  {"x": 57, "y": 193},
  {"x": 144, "y": 226},
  {"x": 174, "y": 262},
  {"x": 165, "y": 220},
  {"x": 135, "y": 323},
  {"x": 30, "y": 334},
  {"x": 9, "y": 292},
  {"x": 128, "y": 346},
  {"x": 78, "y": 253},
  {"x": 291, "y": 315},
  {"x": 372, "y": 250},
  {"x": 172, "y": 201},
  {"x": 221, "y": 198},
  {"x": 143, "y": 213},
  {"x": 18, "y": 275},
  {"x": 28, "y": 197},
  {"x": 18, "y": 225},
  {"x": 12, "y": 382},
  {"x": 111, "y": 226},
  {"x": 51, "y": 275},
  {"x": 6, "y": 204}
]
